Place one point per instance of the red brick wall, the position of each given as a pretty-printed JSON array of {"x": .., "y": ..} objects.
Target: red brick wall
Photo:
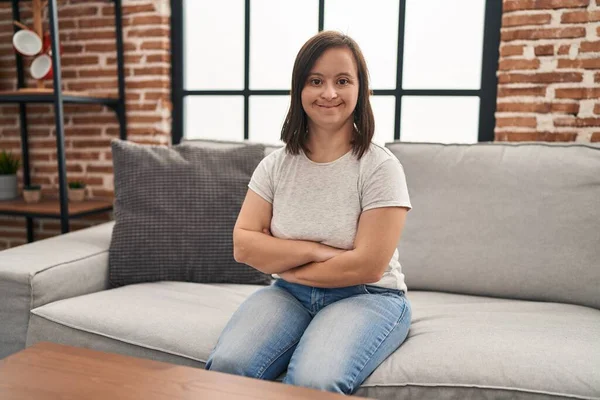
[
  {"x": 89, "y": 63},
  {"x": 549, "y": 71}
]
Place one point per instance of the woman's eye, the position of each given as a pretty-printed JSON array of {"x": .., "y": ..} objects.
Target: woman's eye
[
  {"x": 315, "y": 81},
  {"x": 343, "y": 81}
]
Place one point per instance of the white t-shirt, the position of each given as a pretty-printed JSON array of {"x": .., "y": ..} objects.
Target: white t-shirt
[{"x": 322, "y": 202}]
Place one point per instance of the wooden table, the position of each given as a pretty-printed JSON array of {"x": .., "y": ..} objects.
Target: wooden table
[{"x": 52, "y": 371}]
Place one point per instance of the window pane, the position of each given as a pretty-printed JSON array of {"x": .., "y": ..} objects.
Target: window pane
[
  {"x": 214, "y": 117},
  {"x": 447, "y": 119},
  {"x": 443, "y": 44},
  {"x": 214, "y": 44},
  {"x": 266, "y": 118},
  {"x": 384, "y": 109},
  {"x": 374, "y": 26},
  {"x": 277, "y": 31}
]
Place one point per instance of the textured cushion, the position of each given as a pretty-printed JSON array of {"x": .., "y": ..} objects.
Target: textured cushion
[
  {"x": 175, "y": 208},
  {"x": 503, "y": 220},
  {"x": 458, "y": 346}
]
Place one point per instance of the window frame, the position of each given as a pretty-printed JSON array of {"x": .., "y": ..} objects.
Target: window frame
[{"x": 487, "y": 92}]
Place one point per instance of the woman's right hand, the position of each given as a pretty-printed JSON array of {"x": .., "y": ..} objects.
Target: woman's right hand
[{"x": 324, "y": 252}]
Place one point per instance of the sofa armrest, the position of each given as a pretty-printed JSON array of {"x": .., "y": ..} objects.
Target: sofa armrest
[{"x": 49, "y": 270}]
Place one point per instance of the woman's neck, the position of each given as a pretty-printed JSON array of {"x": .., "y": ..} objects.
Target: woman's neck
[{"x": 326, "y": 145}]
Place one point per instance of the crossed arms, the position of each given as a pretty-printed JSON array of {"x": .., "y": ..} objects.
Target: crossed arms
[{"x": 315, "y": 264}]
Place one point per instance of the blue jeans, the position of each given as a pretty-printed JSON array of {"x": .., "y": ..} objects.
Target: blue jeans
[{"x": 328, "y": 339}]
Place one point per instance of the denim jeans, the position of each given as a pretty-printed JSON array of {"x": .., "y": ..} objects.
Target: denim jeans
[{"x": 327, "y": 339}]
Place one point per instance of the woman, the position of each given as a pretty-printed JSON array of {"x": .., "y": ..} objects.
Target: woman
[{"x": 324, "y": 215}]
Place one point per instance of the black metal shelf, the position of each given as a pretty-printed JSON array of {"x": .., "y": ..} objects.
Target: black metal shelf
[
  {"x": 50, "y": 208},
  {"x": 19, "y": 96},
  {"x": 59, "y": 208}
]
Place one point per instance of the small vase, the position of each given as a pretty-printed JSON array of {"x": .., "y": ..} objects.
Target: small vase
[
  {"x": 8, "y": 187},
  {"x": 32, "y": 196},
  {"x": 76, "y": 195}
]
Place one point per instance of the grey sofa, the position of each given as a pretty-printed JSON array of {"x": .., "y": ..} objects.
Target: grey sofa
[{"x": 501, "y": 254}]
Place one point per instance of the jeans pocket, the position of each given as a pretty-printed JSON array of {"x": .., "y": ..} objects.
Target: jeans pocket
[{"x": 372, "y": 289}]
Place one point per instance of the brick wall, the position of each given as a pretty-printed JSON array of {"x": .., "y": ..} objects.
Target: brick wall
[
  {"x": 89, "y": 63},
  {"x": 549, "y": 71}
]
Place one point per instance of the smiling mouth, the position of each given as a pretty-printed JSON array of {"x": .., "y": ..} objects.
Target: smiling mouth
[{"x": 337, "y": 105}]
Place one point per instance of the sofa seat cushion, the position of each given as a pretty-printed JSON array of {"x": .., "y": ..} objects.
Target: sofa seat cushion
[
  {"x": 458, "y": 346},
  {"x": 182, "y": 319}
]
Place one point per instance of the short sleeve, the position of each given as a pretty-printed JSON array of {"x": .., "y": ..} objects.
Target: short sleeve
[
  {"x": 386, "y": 187},
  {"x": 262, "y": 179}
]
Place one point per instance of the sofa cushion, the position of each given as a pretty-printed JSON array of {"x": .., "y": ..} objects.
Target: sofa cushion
[
  {"x": 503, "y": 220},
  {"x": 458, "y": 346},
  {"x": 175, "y": 208},
  {"x": 179, "y": 319}
]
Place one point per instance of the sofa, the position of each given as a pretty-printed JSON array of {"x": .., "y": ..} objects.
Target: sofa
[{"x": 501, "y": 254}]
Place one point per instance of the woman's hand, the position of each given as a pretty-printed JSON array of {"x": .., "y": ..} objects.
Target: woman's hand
[
  {"x": 324, "y": 252},
  {"x": 321, "y": 253},
  {"x": 289, "y": 276}
]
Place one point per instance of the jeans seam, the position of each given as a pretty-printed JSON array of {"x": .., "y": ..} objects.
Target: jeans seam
[
  {"x": 262, "y": 370},
  {"x": 353, "y": 380},
  {"x": 364, "y": 288}
]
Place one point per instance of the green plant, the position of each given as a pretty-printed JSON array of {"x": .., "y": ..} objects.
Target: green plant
[
  {"x": 32, "y": 187},
  {"x": 9, "y": 164},
  {"x": 76, "y": 185}
]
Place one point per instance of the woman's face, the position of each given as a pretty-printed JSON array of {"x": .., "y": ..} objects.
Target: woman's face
[{"x": 330, "y": 92}]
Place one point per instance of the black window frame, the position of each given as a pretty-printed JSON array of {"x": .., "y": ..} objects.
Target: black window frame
[{"x": 487, "y": 92}]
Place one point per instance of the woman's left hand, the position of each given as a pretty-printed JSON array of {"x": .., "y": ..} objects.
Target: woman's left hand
[{"x": 288, "y": 276}]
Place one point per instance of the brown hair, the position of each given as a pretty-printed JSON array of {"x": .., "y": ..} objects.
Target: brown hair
[{"x": 295, "y": 127}]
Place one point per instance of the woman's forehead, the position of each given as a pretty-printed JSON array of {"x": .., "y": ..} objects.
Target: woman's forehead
[{"x": 335, "y": 61}]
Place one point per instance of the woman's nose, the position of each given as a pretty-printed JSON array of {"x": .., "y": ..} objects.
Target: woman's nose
[{"x": 329, "y": 92}]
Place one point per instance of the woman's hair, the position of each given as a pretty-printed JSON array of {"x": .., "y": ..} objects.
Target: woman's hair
[{"x": 294, "y": 132}]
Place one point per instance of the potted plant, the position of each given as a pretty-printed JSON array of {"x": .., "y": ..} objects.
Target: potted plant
[
  {"x": 32, "y": 193},
  {"x": 76, "y": 191},
  {"x": 9, "y": 165}
]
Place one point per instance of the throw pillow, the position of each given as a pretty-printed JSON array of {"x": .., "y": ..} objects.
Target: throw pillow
[{"x": 175, "y": 208}]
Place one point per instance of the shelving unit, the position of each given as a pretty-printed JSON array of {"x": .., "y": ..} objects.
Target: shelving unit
[{"x": 60, "y": 208}]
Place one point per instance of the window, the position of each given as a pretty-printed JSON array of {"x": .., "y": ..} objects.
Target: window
[{"x": 432, "y": 65}]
